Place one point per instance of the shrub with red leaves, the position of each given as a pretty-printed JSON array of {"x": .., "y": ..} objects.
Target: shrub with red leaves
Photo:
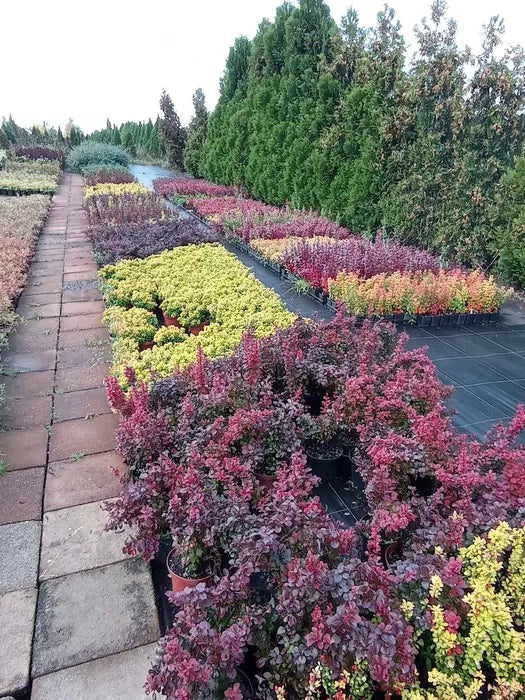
[
  {"x": 112, "y": 242},
  {"x": 186, "y": 187},
  {"x": 196, "y": 444},
  {"x": 319, "y": 261},
  {"x": 40, "y": 153},
  {"x": 116, "y": 177}
]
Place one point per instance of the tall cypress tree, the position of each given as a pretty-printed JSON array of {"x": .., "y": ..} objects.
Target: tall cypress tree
[
  {"x": 193, "y": 154},
  {"x": 172, "y": 132}
]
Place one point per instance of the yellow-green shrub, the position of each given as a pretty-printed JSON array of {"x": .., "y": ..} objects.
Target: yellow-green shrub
[
  {"x": 192, "y": 282},
  {"x": 492, "y": 638},
  {"x": 30, "y": 176},
  {"x": 115, "y": 190},
  {"x": 274, "y": 249}
]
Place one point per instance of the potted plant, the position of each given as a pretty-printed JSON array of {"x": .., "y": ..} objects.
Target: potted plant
[
  {"x": 187, "y": 575},
  {"x": 171, "y": 309},
  {"x": 169, "y": 334}
]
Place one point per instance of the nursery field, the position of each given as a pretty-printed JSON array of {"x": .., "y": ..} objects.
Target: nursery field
[
  {"x": 21, "y": 220},
  {"x": 296, "y": 512}
]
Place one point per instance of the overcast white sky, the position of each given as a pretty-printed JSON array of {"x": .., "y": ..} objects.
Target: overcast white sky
[{"x": 111, "y": 58}]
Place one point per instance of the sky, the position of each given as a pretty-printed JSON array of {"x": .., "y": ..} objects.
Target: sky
[{"x": 111, "y": 58}]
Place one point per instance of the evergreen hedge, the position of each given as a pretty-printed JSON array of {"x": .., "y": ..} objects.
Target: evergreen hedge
[{"x": 335, "y": 119}]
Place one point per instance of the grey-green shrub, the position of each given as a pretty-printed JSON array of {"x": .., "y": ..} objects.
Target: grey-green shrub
[{"x": 103, "y": 154}]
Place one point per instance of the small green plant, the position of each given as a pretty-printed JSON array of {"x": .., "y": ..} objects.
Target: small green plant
[
  {"x": 302, "y": 286},
  {"x": 3, "y": 466},
  {"x": 76, "y": 456}
]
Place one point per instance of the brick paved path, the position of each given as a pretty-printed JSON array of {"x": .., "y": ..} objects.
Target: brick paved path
[{"x": 78, "y": 618}]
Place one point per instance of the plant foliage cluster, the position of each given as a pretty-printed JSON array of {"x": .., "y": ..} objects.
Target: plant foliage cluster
[
  {"x": 89, "y": 154},
  {"x": 24, "y": 176},
  {"x": 335, "y": 119},
  {"x": 21, "y": 220},
  {"x": 379, "y": 277},
  {"x": 196, "y": 284},
  {"x": 443, "y": 621},
  {"x": 114, "y": 242},
  {"x": 143, "y": 140}
]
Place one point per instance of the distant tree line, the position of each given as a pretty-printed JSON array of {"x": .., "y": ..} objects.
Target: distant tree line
[
  {"x": 11, "y": 134},
  {"x": 335, "y": 119},
  {"x": 143, "y": 140}
]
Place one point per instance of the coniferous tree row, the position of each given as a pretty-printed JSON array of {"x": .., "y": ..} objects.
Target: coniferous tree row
[
  {"x": 339, "y": 120},
  {"x": 141, "y": 139}
]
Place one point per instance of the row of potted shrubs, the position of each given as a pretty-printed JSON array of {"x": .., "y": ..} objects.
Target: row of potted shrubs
[
  {"x": 164, "y": 307},
  {"x": 379, "y": 277},
  {"x": 422, "y": 599},
  {"x": 23, "y": 176}
]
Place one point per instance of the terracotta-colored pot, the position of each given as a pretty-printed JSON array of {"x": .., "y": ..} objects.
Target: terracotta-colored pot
[
  {"x": 146, "y": 345},
  {"x": 266, "y": 481},
  {"x": 195, "y": 330},
  {"x": 171, "y": 320},
  {"x": 179, "y": 583}
]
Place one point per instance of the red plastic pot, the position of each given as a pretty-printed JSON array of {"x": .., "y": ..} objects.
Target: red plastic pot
[
  {"x": 146, "y": 345},
  {"x": 171, "y": 320},
  {"x": 195, "y": 330},
  {"x": 180, "y": 583},
  {"x": 266, "y": 481},
  {"x": 390, "y": 551}
]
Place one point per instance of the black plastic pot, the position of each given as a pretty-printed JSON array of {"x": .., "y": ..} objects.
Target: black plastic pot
[
  {"x": 410, "y": 319},
  {"x": 246, "y": 685},
  {"x": 423, "y": 321},
  {"x": 462, "y": 319},
  {"x": 435, "y": 321},
  {"x": 260, "y": 584},
  {"x": 328, "y": 468},
  {"x": 389, "y": 551},
  {"x": 399, "y": 318},
  {"x": 348, "y": 442},
  {"x": 165, "y": 547},
  {"x": 330, "y": 303},
  {"x": 313, "y": 398},
  {"x": 424, "y": 485},
  {"x": 452, "y": 318}
]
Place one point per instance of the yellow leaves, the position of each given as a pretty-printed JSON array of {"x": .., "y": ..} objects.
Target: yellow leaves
[
  {"x": 115, "y": 190},
  {"x": 193, "y": 283}
]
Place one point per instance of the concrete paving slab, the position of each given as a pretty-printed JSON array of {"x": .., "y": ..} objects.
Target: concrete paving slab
[
  {"x": 92, "y": 614},
  {"x": 117, "y": 677},
  {"x": 19, "y": 550},
  {"x": 75, "y": 539},
  {"x": 83, "y": 436},
  {"x": 17, "y": 614},
  {"x": 70, "y": 483},
  {"x": 21, "y": 495}
]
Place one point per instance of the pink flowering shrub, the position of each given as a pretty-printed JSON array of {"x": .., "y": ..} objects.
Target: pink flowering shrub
[
  {"x": 319, "y": 261},
  {"x": 184, "y": 187},
  {"x": 127, "y": 208},
  {"x": 197, "y": 444}
]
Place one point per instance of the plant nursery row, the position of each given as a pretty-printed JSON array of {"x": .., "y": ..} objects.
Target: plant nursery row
[
  {"x": 232, "y": 415},
  {"x": 33, "y": 170},
  {"x": 370, "y": 277},
  {"x": 21, "y": 176}
]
